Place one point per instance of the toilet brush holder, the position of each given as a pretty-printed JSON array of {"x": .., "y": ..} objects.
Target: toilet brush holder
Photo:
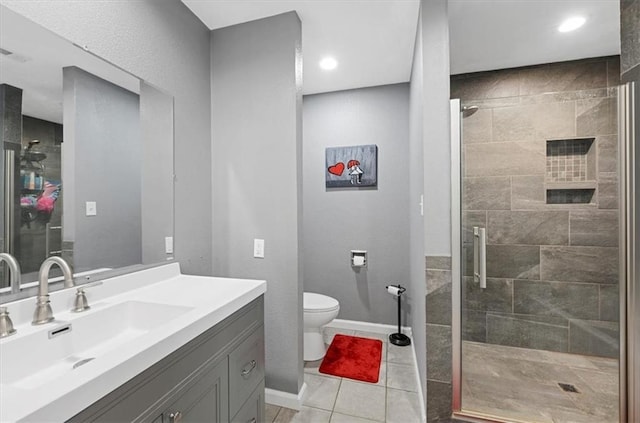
[{"x": 398, "y": 338}]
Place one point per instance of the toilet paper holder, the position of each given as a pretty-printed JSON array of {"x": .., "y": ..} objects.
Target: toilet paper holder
[{"x": 358, "y": 258}]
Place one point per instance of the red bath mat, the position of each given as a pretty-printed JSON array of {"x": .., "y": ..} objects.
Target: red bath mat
[{"x": 353, "y": 357}]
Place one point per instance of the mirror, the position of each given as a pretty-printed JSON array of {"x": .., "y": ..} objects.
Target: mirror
[{"x": 87, "y": 160}]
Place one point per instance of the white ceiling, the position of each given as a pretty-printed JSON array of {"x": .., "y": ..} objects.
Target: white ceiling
[
  {"x": 373, "y": 40},
  {"x": 498, "y": 34}
]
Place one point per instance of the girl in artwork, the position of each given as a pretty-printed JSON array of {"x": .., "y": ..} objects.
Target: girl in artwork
[{"x": 355, "y": 172}]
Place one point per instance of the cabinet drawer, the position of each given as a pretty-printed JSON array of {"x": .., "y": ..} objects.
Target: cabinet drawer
[
  {"x": 253, "y": 410},
  {"x": 246, "y": 369}
]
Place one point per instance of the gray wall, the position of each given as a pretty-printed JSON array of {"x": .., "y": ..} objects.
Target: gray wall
[
  {"x": 416, "y": 220},
  {"x": 630, "y": 40},
  {"x": 434, "y": 31},
  {"x": 337, "y": 220},
  {"x": 102, "y": 128},
  {"x": 552, "y": 268},
  {"x": 436, "y": 154},
  {"x": 156, "y": 125},
  {"x": 162, "y": 42},
  {"x": 256, "y": 128}
]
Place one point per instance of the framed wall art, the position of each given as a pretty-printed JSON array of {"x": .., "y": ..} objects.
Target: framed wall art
[{"x": 351, "y": 167}]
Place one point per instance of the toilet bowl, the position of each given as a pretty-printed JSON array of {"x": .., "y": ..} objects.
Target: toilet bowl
[{"x": 319, "y": 310}]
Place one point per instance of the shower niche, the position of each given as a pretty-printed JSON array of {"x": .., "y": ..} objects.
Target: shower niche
[{"x": 571, "y": 171}]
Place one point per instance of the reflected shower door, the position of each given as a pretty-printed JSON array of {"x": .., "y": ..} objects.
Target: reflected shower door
[{"x": 39, "y": 185}]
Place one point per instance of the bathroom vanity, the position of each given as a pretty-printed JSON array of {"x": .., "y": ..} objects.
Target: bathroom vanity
[{"x": 156, "y": 346}]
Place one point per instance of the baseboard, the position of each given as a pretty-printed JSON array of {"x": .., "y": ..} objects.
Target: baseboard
[
  {"x": 367, "y": 327},
  {"x": 285, "y": 399}
]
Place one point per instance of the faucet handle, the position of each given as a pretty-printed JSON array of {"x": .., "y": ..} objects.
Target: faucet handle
[
  {"x": 80, "y": 303},
  {"x": 6, "y": 325},
  {"x": 43, "y": 313}
]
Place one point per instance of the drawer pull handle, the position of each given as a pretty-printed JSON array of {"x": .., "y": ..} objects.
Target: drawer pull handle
[
  {"x": 175, "y": 417},
  {"x": 252, "y": 365},
  {"x": 253, "y": 420}
]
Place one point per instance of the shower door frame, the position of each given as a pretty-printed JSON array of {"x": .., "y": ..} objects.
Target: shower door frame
[
  {"x": 629, "y": 158},
  {"x": 629, "y": 226},
  {"x": 456, "y": 251}
]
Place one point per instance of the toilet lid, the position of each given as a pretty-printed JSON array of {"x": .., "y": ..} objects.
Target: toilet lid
[{"x": 318, "y": 302}]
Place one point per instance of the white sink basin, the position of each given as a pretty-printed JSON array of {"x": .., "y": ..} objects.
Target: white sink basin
[
  {"x": 136, "y": 320},
  {"x": 58, "y": 348}
]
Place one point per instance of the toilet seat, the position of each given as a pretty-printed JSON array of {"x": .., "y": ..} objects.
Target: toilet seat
[{"x": 318, "y": 303}]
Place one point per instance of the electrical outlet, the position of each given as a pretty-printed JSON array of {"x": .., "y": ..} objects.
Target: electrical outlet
[
  {"x": 91, "y": 208},
  {"x": 168, "y": 244}
]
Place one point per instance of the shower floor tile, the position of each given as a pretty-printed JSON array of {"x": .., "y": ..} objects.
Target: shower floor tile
[{"x": 522, "y": 384}]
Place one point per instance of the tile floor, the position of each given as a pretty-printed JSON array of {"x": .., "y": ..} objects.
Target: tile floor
[
  {"x": 522, "y": 384},
  {"x": 330, "y": 399}
]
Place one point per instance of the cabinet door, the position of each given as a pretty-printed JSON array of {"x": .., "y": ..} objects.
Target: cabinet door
[
  {"x": 246, "y": 369},
  {"x": 205, "y": 400},
  {"x": 253, "y": 410}
]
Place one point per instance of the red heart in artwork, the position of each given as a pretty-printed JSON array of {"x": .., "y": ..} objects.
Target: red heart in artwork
[{"x": 337, "y": 169}]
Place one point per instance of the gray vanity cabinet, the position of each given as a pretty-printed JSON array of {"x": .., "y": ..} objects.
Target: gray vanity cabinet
[
  {"x": 253, "y": 410},
  {"x": 201, "y": 401},
  {"x": 217, "y": 377},
  {"x": 246, "y": 370}
]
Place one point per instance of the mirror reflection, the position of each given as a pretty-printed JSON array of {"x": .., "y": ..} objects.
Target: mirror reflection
[
  {"x": 39, "y": 186},
  {"x": 86, "y": 149}
]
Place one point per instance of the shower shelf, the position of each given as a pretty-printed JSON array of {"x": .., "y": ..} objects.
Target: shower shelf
[
  {"x": 571, "y": 171},
  {"x": 570, "y": 185}
]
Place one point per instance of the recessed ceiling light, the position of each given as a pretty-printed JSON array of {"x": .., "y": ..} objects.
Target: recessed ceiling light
[
  {"x": 328, "y": 63},
  {"x": 572, "y": 24}
]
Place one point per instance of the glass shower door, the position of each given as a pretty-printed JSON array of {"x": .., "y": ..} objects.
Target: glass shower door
[{"x": 539, "y": 298}]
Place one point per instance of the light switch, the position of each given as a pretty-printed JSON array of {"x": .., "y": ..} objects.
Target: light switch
[
  {"x": 168, "y": 244},
  {"x": 91, "y": 209},
  {"x": 258, "y": 248}
]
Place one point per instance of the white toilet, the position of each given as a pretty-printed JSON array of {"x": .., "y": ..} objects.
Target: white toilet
[{"x": 319, "y": 310}]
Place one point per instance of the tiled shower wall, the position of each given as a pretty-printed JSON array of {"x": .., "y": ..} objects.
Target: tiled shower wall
[
  {"x": 552, "y": 269},
  {"x": 438, "y": 312},
  {"x": 629, "y": 39}
]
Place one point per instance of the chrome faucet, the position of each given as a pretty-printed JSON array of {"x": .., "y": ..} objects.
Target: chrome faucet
[
  {"x": 14, "y": 267},
  {"x": 43, "y": 313},
  {"x": 6, "y": 325}
]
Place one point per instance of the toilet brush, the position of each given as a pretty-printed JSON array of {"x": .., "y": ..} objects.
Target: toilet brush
[{"x": 398, "y": 338}]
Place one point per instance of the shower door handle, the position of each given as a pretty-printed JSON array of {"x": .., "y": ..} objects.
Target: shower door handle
[
  {"x": 47, "y": 240},
  {"x": 480, "y": 256},
  {"x": 9, "y": 203}
]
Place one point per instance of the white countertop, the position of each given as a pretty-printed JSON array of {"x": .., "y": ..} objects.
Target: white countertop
[{"x": 209, "y": 299}]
